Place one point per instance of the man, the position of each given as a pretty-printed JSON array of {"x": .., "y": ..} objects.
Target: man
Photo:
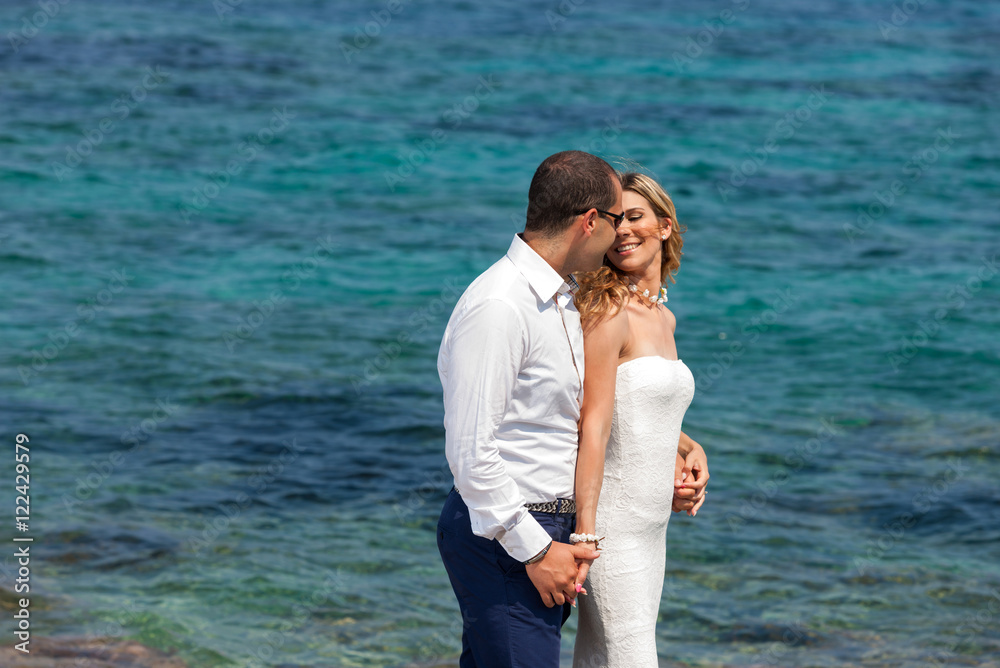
[{"x": 511, "y": 366}]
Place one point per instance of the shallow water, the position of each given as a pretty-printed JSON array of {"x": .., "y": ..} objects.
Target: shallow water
[{"x": 277, "y": 506}]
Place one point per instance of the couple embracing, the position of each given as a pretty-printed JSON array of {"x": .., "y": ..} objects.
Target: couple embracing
[{"x": 564, "y": 398}]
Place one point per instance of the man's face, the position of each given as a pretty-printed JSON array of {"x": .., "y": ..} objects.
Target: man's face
[{"x": 604, "y": 235}]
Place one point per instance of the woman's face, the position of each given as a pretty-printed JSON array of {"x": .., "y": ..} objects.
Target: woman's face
[{"x": 639, "y": 237}]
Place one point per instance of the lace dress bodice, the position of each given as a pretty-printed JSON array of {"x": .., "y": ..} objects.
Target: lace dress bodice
[{"x": 617, "y": 622}]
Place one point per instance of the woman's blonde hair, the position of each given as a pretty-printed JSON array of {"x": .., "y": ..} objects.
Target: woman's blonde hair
[{"x": 604, "y": 292}]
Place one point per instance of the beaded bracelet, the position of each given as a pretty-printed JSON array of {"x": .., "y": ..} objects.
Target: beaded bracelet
[{"x": 585, "y": 538}]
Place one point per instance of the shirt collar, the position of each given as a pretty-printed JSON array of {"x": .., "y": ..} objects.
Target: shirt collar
[{"x": 542, "y": 278}]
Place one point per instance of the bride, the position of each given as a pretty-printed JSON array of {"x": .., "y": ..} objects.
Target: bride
[{"x": 636, "y": 391}]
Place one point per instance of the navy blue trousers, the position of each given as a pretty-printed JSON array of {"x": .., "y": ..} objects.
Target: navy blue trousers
[{"x": 504, "y": 622}]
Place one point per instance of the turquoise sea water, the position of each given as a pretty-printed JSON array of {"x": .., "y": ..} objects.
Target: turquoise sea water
[{"x": 229, "y": 378}]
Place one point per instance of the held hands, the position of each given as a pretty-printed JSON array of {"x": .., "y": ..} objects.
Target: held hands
[
  {"x": 555, "y": 576},
  {"x": 585, "y": 564},
  {"x": 690, "y": 478}
]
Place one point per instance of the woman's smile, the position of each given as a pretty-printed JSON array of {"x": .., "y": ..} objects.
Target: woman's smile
[{"x": 627, "y": 248}]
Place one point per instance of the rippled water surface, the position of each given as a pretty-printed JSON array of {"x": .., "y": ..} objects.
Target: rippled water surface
[{"x": 229, "y": 377}]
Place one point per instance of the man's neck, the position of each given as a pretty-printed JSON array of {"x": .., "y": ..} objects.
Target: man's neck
[{"x": 550, "y": 250}]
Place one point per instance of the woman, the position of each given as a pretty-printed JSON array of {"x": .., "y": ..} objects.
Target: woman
[{"x": 636, "y": 391}]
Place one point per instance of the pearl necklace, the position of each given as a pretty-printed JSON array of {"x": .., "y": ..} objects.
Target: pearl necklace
[{"x": 652, "y": 301}]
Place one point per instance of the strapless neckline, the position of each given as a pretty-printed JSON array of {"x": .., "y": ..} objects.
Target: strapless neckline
[{"x": 646, "y": 357}]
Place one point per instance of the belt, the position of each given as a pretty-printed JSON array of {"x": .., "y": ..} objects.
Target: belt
[{"x": 557, "y": 507}]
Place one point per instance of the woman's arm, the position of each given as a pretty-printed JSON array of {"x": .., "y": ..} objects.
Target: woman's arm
[
  {"x": 688, "y": 445},
  {"x": 602, "y": 345}
]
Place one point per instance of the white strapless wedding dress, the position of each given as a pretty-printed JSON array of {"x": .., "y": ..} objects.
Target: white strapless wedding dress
[{"x": 617, "y": 622}]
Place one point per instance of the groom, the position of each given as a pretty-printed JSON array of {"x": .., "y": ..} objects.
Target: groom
[{"x": 511, "y": 365}]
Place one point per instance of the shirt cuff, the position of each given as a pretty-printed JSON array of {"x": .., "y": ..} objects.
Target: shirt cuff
[{"x": 525, "y": 539}]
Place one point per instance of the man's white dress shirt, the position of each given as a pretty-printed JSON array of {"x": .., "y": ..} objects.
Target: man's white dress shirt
[{"x": 511, "y": 365}]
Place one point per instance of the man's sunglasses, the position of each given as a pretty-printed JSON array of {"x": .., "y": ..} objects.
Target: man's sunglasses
[{"x": 616, "y": 218}]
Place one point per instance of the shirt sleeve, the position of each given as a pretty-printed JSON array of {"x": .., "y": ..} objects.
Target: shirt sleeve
[{"x": 486, "y": 352}]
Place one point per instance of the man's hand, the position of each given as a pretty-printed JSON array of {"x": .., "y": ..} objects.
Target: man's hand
[
  {"x": 690, "y": 478},
  {"x": 555, "y": 575}
]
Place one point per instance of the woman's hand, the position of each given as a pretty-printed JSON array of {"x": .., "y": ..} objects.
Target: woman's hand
[
  {"x": 690, "y": 478},
  {"x": 584, "y": 566}
]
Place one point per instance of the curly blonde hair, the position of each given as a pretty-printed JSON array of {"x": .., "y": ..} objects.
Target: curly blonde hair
[{"x": 604, "y": 292}]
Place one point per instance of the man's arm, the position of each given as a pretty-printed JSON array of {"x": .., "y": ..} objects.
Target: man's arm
[
  {"x": 486, "y": 352},
  {"x": 487, "y": 348}
]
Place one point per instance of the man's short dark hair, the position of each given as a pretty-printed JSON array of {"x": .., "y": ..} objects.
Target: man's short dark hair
[{"x": 566, "y": 183}]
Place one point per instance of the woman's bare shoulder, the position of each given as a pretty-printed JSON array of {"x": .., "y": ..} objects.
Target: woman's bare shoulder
[
  {"x": 670, "y": 318},
  {"x": 612, "y": 325}
]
